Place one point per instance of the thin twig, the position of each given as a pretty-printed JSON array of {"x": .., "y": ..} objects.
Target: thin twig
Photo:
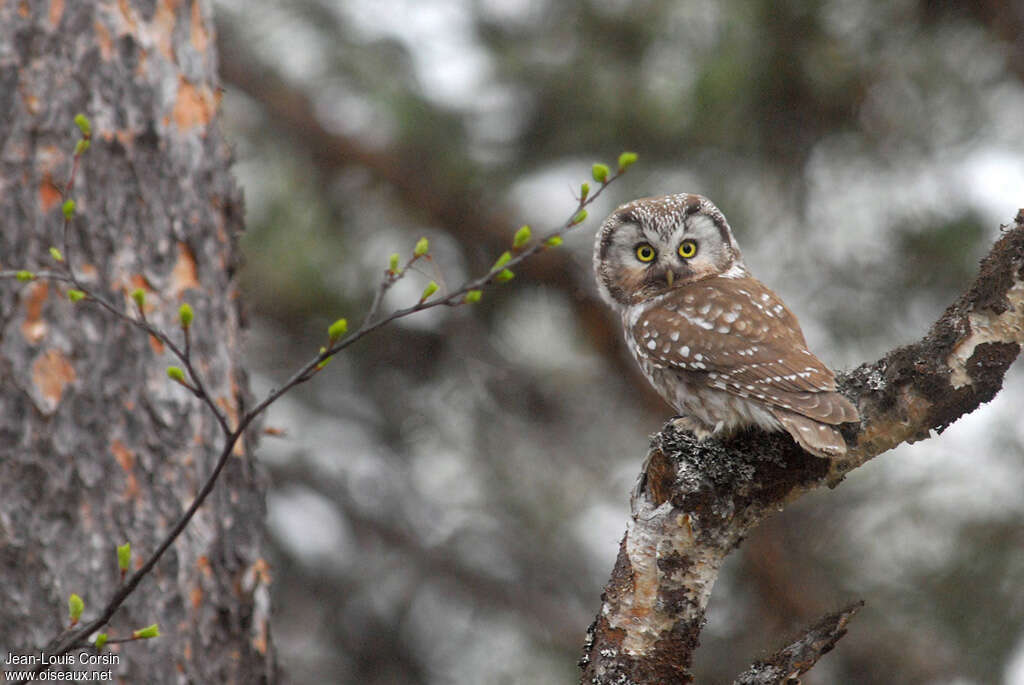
[{"x": 371, "y": 323}]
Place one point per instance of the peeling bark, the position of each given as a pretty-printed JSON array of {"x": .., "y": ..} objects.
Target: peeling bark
[
  {"x": 96, "y": 446},
  {"x": 695, "y": 501}
]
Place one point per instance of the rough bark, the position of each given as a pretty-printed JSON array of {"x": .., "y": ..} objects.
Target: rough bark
[
  {"x": 96, "y": 446},
  {"x": 795, "y": 659},
  {"x": 695, "y": 501}
]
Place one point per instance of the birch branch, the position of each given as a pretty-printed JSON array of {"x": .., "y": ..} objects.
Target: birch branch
[{"x": 695, "y": 501}]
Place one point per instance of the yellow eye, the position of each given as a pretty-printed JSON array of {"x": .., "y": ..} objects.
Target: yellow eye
[
  {"x": 687, "y": 249},
  {"x": 644, "y": 252}
]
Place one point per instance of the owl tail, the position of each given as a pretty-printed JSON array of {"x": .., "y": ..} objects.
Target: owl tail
[{"x": 818, "y": 438}]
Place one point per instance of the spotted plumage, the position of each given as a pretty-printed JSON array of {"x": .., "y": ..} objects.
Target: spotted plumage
[{"x": 718, "y": 345}]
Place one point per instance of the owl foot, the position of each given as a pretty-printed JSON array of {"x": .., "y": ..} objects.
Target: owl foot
[{"x": 689, "y": 424}]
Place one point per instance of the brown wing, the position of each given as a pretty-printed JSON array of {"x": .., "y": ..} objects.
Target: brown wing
[{"x": 739, "y": 337}]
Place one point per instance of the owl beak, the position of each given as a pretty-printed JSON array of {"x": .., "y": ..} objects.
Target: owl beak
[{"x": 669, "y": 276}]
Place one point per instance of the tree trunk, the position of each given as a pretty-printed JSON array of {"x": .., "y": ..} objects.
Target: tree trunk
[{"x": 97, "y": 446}]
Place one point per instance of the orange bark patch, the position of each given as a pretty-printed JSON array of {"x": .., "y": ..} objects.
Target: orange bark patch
[
  {"x": 231, "y": 410},
  {"x": 200, "y": 36},
  {"x": 184, "y": 274},
  {"x": 260, "y": 640},
  {"x": 51, "y": 372},
  {"x": 203, "y": 564},
  {"x": 88, "y": 271},
  {"x": 126, "y": 12},
  {"x": 157, "y": 345},
  {"x": 163, "y": 22},
  {"x": 140, "y": 281},
  {"x": 49, "y": 194},
  {"x": 261, "y": 569},
  {"x": 193, "y": 106},
  {"x": 126, "y": 458},
  {"x": 105, "y": 43},
  {"x": 196, "y": 596},
  {"x": 33, "y": 328},
  {"x": 56, "y": 12},
  {"x": 23, "y": 9}
]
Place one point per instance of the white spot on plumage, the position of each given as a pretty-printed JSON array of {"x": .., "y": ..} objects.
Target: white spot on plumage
[{"x": 651, "y": 344}]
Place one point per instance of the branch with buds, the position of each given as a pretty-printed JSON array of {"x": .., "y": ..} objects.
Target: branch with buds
[{"x": 86, "y": 634}]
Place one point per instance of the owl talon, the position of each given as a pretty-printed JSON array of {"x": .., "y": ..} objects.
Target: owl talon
[{"x": 689, "y": 424}]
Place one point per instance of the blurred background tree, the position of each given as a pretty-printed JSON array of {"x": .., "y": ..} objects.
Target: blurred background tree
[{"x": 448, "y": 500}]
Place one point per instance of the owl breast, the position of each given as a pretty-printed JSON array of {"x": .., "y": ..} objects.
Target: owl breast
[{"x": 689, "y": 393}]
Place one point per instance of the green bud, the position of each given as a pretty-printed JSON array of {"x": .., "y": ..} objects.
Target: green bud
[
  {"x": 580, "y": 217},
  {"x": 55, "y": 253},
  {"x": 421, "y": 247},
  {"x": 147, "y": 632},
  {"x": 139, "y": 295},
  {"x": 428, "y": 291},
  {"x": 337, "y": 329},
  {"x": 101, "y": 640},
  {"x": 84, "y": 125},
  {"x": 81, "y": 146},
  {"x": 473, "y": 296},
  {"x": 522, "y": 237},
  {"x": 504, "y": 276},
  {"x": 25, "y": 276},
  {"x": 626, "y": 160},
  {"x": 502, "y": 261},
  {"x": 176, "y": 374},
  {"x": 584, "y": 191},
  {"x": 600, "y": 173},
  {"x": 124, "y": 556},
  {"x": 69, "y": 209},
  {"x": 393, "y": 263},
  {"x": 185, "y": 315},
  {"x": 326, "y": 361},
  {"x": 76, "y": 295},
  {"x": 75, "y": 607},
  {"x": 554, "y": 241}
]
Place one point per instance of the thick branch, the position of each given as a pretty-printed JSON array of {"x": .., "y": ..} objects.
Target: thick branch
[{"x": 695, "y": 501}]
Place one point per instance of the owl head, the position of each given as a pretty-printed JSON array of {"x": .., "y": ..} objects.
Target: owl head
[{"x": 652, "y": 245}]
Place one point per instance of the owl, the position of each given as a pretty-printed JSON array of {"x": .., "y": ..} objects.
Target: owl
[{"x": 719, "y": 346}]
